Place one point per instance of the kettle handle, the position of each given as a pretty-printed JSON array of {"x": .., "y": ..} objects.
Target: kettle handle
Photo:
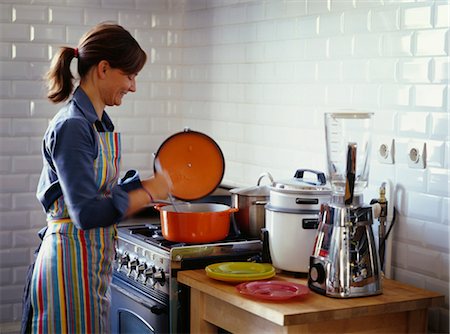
[{"x": 320, "y": 176}]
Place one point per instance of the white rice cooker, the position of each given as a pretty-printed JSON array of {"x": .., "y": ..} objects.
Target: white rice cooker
[{"x": 292, "y": 217}]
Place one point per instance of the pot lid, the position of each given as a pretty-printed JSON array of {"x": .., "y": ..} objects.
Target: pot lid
[
  {"x": 194, "y": 162},
  {"x": 255, "y": 190},
  {"x": 300, "y": 183}
]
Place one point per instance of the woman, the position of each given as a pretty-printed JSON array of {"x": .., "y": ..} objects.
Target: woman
[{"x": 78, "y": 187}]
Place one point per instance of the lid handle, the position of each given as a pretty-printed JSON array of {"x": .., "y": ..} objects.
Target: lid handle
[
  {"x": 321, "y": 179},
  {"x": 265, "y": 174}
]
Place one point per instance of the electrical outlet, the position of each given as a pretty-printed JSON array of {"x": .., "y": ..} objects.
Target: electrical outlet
[
  {"x": 417, "y": 154},
  {"x": 386, "y": 151}
]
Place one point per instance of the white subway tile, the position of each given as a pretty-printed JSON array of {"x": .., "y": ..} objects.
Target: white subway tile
[
  {"x": 318, "y": 6},
  {"x": 5, "y": 89},
  {"x": 305, "y": 71},
  {"x": 366, "y": 96},
  {"x": 74, "y": 34},
  {"x": 430, "y": 96},
  {"x": 367, "y": 45},
  {"x": 5, "y": 128},
  {"x": 266, "y": 31},
  {"x": 384, "y": 122},
  {"x": 5, "y": 167},
  {"x": 30, "y": 14},
  {"x": 436, "y": 237},
  {"x": 340, "y": 47},
  {"x": 255, "y": 11},
  {"x": 435, "y": 154},
  {"x": 330, "y": 25},
  {"x": 339, "y": 95},
  {"x": 442, "y": 16},
  {"x": 27, "y": 164},
  {"x": 14, "y": 108},
  {"x": 397, "y": 44},
  {"x": 5, "y": 199},
  {"x": 48, "y": 33},
  {"x": 157, "y": 5},
  {"x": 342, "y": 6},
  {"x": 412, "y": 179},
  {"x": 26, "y": 127},
  {"x": 38, "y": 70},
  {"x": 416, "y": 17},
  {"x": 136, "y": 19},
  {"x": 9, "y": 258},
  {"x": 415, "y": 70},
  {"x": 5, "y": 51},
  {"x": 356, "y": 21},
  {"x": 329, "y": 71},
  {"x": 439, "y": 182},
  {"x": 431, "y": 42},
  {"x": 43, "y": 108},
  {"x": 384, "y": 20},
  {"x": 395, "y": 95},
  {"x": 296, "y": 7},
  {"x": 422, "y": 261},
  {"x": 441, "y": 69},
  {"x": 13, "y": 183},
  {"x": 30, "y": 51},
  {"x": 355, "y": 70},
  {"x": 413, "y": 124},
  {"x": 15, "y": 32},
  {"x": 286, "y": 28},
  {"x": 372, "y": 3},
  {"x": 316, "y": 48},
  {"x": 383, "y": 70},
  {"x": 445, "y": 212},
  {"x": 28, "y": 89},
  {"x": 439, "y": 125},
  {"x": 308, "y": 26},
  {"x": 14, "y": 70},
  {"x": 96, "y": 15},
  {"x": 5, "y": 13},
  {"x": 66, "y": 15},
  {"x": 423, "y": 206}
]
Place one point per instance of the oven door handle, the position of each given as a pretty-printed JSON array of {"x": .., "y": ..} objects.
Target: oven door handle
[{"x": 155, "y": 309}]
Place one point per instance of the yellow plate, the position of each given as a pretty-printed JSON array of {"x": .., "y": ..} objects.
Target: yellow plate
[{"x": 240, "y": 271}]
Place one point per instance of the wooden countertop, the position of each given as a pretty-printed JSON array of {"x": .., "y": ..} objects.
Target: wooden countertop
[{"x": 396, "y": 297}]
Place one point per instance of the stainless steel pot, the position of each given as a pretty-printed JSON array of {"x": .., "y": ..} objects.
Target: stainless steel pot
[{"x": 250, "y": 201}]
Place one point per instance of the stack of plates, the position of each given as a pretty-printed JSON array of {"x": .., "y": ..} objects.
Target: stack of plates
[{"x": 240, "y": 271}]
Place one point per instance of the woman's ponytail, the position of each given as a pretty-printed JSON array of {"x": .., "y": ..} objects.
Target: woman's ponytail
[{"x": 59, "y": 77}]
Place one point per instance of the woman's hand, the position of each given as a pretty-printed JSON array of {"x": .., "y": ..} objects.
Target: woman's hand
[{"x": 158, "y": 186}]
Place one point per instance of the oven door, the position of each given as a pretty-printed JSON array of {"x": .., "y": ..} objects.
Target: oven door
[{"x": 133, "y": 311}]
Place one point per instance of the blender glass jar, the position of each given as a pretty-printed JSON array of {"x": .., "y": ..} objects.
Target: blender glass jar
[{"x": 341, "y": 130}]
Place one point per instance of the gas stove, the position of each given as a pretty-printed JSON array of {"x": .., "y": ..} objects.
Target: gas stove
[{"x": 146, "y": 265}]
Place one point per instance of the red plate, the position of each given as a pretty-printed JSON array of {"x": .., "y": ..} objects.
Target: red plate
[{"x": 272, "y": 290}]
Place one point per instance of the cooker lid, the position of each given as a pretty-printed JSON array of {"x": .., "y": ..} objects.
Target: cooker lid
[
  {"x": 300, "y": 183},
  {"x": 194, "y": 162},
  {"x": 257, "y": 190}
]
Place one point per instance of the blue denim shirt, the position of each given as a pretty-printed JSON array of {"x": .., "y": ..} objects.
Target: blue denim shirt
[{"x": 70, "y": 146}]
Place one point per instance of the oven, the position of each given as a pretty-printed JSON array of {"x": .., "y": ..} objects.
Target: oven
[{"x": 146, "y": 297}]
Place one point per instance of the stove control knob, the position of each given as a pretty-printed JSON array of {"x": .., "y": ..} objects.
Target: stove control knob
[
  {"x": 140, "y": 270},
  {"x": 123, "y": 260},
  {"x": 159, "y": 277},
  {"x": 148, "y": 273},
  {"x": 132, "y": 264},
  {"x": 317, "y": 273}
]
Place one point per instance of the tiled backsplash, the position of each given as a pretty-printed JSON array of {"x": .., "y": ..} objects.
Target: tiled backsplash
[{"x": 257, "y": 76}]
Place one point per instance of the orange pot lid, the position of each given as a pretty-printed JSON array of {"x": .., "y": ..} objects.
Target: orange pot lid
[{"x": 194, "y": 162}]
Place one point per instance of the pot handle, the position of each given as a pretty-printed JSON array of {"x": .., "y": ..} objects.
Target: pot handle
[
  {"x": 265, "y": 174},
  {"x": 158, "y": 206},
  {"x": 321, "y": 179},
  {"x": 260, "y": 202}
]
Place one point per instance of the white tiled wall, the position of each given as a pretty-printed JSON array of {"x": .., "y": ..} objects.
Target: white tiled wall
[{"x": 257, "y": 76}]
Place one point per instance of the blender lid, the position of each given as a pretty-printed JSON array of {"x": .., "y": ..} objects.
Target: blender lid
[
  {"x": 194, "y": 162},
  {"x": 349, "y": 114}
]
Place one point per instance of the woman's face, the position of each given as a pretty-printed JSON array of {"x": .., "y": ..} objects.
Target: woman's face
[{"x": 117, "y": 84}]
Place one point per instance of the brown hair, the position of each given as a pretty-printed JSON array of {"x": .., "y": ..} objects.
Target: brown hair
[{"x": 106, "y": 41}]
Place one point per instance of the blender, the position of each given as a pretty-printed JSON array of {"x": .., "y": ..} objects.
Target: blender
[{"x": 345, "y": 262}]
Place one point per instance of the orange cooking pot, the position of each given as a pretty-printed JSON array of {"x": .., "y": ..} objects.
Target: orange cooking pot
[{"x": 195, "y": 222}]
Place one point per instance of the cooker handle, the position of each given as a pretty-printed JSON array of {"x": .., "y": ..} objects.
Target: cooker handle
[
  {"x": 269, "y": 176},
  {"x": 320, "y": 176}
]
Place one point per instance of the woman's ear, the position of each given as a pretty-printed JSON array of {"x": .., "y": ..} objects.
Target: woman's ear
[{"x": 102, "y": 67}]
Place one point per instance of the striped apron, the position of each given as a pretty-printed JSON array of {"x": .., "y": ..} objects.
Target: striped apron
[{"x": 70, "y": 287}]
